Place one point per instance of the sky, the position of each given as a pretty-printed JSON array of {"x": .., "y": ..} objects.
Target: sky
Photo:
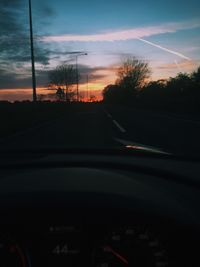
[{"x": 166, "y": 34}]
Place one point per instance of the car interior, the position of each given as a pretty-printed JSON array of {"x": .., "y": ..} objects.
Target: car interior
[{"x": 99, "y": 209}]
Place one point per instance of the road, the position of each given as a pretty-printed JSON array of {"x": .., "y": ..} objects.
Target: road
[{"x": 99, "y": 126}]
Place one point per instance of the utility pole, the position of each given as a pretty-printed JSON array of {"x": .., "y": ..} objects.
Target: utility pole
[
  {"x": 77, "y": 81},
  {"x": 77, "y": 78},
  {"x": 32, "y": 54},
  {"x": 87, "y": 87}
]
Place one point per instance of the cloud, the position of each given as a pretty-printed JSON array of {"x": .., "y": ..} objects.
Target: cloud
[
  {"x": 135, "y": 33},
  {"x": 15, "y": 56},
  {"x": 14, "y": 34},
  {"x": 178, "y": 66},
  {"x": 123, "y": 35},
  {"x": 42, "y": 15},
  {"x": 11, "y": 79},
  {"x": 8, "y": 14},
  {"x": 93, "y": 73},
  {"x": 45, "y": 11},
  {"x": 181, "y": 65}
]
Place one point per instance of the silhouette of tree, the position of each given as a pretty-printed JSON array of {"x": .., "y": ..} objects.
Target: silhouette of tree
[
  {"x": 133, "y": 74},
  {"x": 179, "y": 85},
  {"x": 72, "y": 95},
  {"x": 112, "y": 93},
  {"x": 93, "y": 98},
  {"x": 154, "y": 89},
  {"x": 64, "y": 77},
  {"x": 178, "y": 94},
  {"x": 195, "y": 76},
  {"x": 131, "y": 78},
  {"x": 41, "y": 97},
  {"x": 60, "y": 94}
]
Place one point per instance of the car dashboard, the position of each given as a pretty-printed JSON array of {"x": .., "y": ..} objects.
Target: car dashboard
[
  {"x": 71, "y": 215},
  {"x": 107, "y": 240}
]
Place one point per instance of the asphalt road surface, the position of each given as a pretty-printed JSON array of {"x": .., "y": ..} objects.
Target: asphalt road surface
[{"x": 99, "y": 126}]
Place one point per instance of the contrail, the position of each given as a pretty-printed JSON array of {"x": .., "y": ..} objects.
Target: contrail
[{"x": 165, "y": 49}]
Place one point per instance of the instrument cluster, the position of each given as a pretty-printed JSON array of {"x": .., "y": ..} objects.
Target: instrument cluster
[{"x": 75, "y": 246}]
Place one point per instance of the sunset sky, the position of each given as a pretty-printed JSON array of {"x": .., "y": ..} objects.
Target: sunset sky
[{"x": 164, "y": 33}]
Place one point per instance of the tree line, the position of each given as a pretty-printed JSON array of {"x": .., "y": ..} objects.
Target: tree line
[{"x": 133, "y": 88}]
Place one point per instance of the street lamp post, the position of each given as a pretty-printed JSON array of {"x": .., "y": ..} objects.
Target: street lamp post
[
  {"x": 77, "y": 81},
  {"x": 32, "y": 54},
  {"x": 87, "y": 86},
  {"x": 77, "y": 78}
]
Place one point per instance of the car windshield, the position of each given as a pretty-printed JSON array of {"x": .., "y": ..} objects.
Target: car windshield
[{"x": 95, "y": 74}]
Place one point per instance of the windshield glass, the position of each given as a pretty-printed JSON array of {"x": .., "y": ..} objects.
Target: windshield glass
[{"x": 93, "y": 74}]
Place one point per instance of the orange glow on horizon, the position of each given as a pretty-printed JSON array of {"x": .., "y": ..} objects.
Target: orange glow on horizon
[
  {"x": 94, "y": 93},
  {"x": 98, "y": 80}
]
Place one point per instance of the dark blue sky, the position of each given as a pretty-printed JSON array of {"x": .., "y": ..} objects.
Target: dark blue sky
[{"x": 90, "y": 16}]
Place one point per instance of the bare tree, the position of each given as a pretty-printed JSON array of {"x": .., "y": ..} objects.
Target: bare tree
[
  {"x": 63, "y": 77},
  {"x": 60, "y": 94},
  {"x": 132, "y": 74}
]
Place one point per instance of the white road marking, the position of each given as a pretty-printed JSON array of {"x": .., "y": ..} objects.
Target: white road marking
[
  {"x": 115, "y": 122},
  {"x": 130, "y": 144},
  {"x": 108, "y": 114},
  {"x": 119, "y": 126}
]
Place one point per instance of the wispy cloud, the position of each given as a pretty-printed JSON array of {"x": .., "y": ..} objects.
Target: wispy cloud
[
  {"x": 177, "y": 64},
  {"x": 123, "y": 35},
  {"x": 181, "y": 65},
  {"x": 14, "y": 39},
  {"x": 129, "y": 34}
]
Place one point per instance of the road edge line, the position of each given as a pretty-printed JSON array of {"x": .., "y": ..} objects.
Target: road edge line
[{"x": 119, "y": 126}]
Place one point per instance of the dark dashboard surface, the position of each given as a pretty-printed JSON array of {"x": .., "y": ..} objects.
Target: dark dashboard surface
[{"x": 75, "y": 215}]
